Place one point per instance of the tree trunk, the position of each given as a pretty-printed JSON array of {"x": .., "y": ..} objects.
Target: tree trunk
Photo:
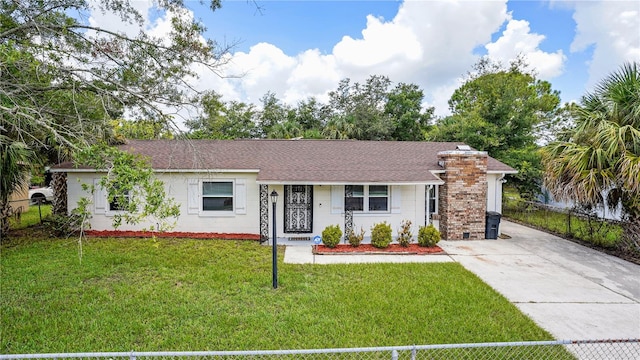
[
  {"x": 5, "y": 214},
  {"x": 59, "y": 185}
]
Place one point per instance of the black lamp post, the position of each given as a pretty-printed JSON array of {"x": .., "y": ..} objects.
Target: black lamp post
[{"x": 274, "y": 200}]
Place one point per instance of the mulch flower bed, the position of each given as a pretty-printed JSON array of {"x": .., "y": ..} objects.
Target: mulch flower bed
[
  {"x": 392, "y": 249},
  {"x": 171, "y": 234}
]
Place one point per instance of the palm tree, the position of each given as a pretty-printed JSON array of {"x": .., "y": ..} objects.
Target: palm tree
[
  {"x": 602, "y": 155},
  {"x": 15, "y": 160}
]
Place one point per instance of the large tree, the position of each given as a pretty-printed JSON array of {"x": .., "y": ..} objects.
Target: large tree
[
  {"x": 375, "y": 110},
  {"x": 599, "y": 163},
  {"x": 404, "y": 106},
  {"x": 140, "y": 130},
  {"x": 362, "y": 105},
  {"x": 141, "y": 73},
  {"x": 222, "y": 120},
  {"x": 498, "y": 110},
  {"x": 272, "y": 115},
  {"x": 62, "y": 79}
]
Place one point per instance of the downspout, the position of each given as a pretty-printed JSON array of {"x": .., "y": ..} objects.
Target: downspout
[{"x": 501, "y": 180}]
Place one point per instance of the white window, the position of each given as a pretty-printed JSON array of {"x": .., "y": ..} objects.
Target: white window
[
  {"x": 220, "y": 197},
  {"x": 370, "y": 198},
  {"x": 354, "y": 202},
  {"x": 432, "y": 199},
  {"x": 217, "y": 196},
  {"x": 104, "y": 203},
  {"x": 119, "y": 202}
]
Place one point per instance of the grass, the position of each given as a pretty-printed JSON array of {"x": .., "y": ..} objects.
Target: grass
[
  {"x": 30, "y": 217},
  {"x": 601, "y": 233},
  {"x": 179, "y": 294}
]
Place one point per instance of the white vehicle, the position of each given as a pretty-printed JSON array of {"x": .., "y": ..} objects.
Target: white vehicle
[{"x": 40, "y": 195}]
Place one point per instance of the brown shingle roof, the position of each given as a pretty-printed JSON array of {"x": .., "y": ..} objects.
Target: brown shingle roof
[{"x": 317, "y": 161}]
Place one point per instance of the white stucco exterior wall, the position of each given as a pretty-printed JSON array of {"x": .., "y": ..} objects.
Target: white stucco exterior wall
[
  {"x": 410, "y": 206},
  {"x": 176, "y": 186},
  {"x": 494, "y": 192}
]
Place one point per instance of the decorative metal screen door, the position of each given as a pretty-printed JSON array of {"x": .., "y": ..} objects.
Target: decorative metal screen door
[{"x": 298, "y": 208}]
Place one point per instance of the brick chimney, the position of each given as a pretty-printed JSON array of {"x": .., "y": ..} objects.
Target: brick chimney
[{"x": 463, "y": 197}]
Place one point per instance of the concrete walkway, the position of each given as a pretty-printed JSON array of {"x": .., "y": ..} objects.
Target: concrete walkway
[{"x": 571, "y": 291}]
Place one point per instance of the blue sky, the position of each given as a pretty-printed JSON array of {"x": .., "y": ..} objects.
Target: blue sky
[
  {"x": 298, "y": 48},
  {"x": 295, "y": 26}
]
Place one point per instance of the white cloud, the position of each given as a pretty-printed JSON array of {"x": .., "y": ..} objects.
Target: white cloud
[
  {"x": 449, "y": 31},
  {"x": 440, "y": 96},
  {"x": 113, "y": 21},
  {"x": 429, "y": 43},
  {"x": 313, "y": 75},
  {"x": 517, "y": 39},
  {"x": 381, "y": 43},
  {"x": 265, "y": 68},
  {"x": 613, "y": 29}
]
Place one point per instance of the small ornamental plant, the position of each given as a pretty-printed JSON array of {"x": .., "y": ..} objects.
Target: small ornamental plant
[
  {"x": 405, "y": 237},
  {"x": 428, "y": 236},
  {"x": 381, "y": 235},
  {"x": 355, "y": 239},
  {"x": 331, "y": 235}
]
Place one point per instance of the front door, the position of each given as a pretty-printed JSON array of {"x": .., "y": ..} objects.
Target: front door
[{"x": 298, "y": 208}]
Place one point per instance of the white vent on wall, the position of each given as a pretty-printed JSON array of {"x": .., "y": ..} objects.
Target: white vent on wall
[{"x": 463, "y": 147}]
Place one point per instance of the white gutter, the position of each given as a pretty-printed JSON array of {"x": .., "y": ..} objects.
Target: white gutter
[
  {"x": 307, "y": 182},
  {"x": 165, "y": 171},
  {"x": 504, "y": 172}
]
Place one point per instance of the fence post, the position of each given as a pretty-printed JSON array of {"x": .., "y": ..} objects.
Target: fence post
[
  {"x": 413, "y": 353},
  {"x": 394, "y": 354},
  {"x": 39, "y": 209},
  {"x": 132, "y": 355}
]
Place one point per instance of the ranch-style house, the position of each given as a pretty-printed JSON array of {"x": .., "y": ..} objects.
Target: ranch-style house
[{"x": 223, "y": 186}]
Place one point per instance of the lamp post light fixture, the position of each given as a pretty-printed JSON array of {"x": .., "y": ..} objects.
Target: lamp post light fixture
[{"x": 274, "y": 200}]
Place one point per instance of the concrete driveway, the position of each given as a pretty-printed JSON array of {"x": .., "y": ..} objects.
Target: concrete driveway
[{"x": 571, "y": 291}]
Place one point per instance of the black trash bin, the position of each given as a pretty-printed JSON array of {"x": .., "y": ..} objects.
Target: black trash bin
[{"x": 492, "y": 225}]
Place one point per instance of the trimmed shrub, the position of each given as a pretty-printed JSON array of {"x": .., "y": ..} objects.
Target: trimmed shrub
[
  {"x": 331, "y": 235},
  {"x": 381, "y": 235},
  {"x": 405, "y": 237},
  {"x": 355, "y": 239},
  {"x": 428, "y": 236}
]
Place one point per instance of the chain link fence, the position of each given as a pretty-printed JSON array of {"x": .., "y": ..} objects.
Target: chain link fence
[
  {"x": 19, "y": 208},
  {"x": 564, "y": 349},
  {"x": 574, "y": 222}
]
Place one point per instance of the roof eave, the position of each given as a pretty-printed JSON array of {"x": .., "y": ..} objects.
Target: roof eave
[
  {"x": 88, "y": 170},
  {"x": 311, "y": 182},
  {"x": 510, "y": 172}
]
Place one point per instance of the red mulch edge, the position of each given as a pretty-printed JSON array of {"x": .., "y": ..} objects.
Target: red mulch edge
[
  {"x": 364, "y": 249},
  {"x": 171, "y": 234}
]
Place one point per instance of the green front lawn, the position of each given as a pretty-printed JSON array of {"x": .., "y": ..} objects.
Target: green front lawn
[{"x": 177, "y": 294}]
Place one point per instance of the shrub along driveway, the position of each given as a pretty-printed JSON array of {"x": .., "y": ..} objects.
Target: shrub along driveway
[{"x": 571, "y": 291}]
